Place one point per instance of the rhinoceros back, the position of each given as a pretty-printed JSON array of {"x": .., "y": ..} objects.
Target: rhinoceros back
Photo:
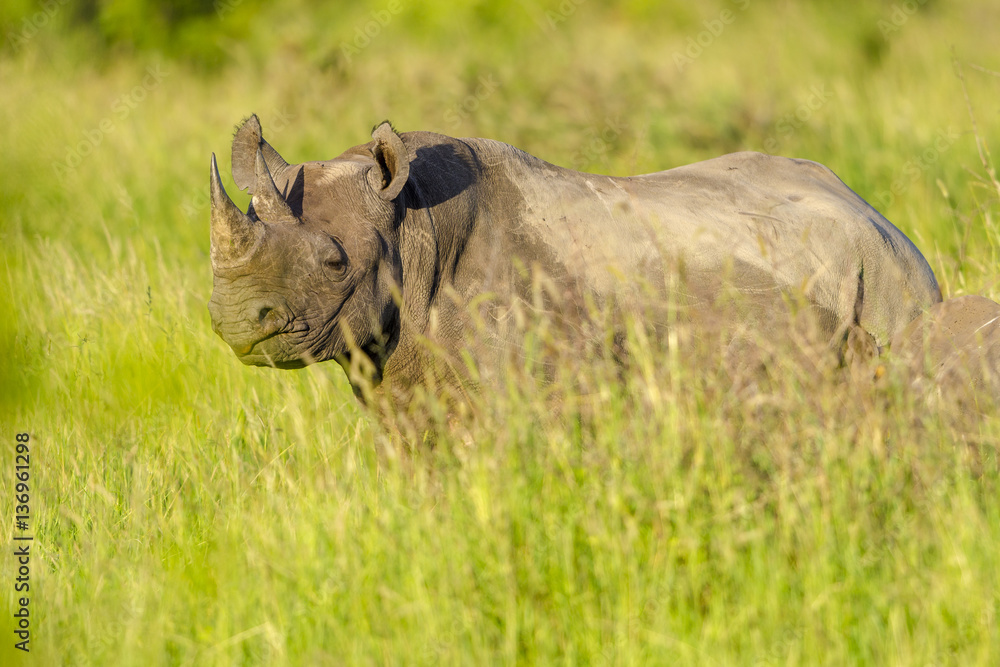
[{"x": 792, "y": 220}]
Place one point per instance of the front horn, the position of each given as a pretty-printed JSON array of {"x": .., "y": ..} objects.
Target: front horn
[
  {"x": 234, "y": 235},
  {"x": 267, "y": 202}
]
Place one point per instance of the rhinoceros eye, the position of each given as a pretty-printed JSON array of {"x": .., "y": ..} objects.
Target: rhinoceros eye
[{"x": 336, "y": 261}]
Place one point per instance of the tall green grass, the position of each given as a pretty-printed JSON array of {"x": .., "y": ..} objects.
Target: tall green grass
[{"x": 189, "y": 510}]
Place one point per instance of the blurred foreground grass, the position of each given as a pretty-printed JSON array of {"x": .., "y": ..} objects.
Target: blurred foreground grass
[{"x": 188, "y": 510}]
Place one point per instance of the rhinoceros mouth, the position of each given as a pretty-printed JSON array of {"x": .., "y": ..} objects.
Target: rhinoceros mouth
[
  {"x": 258, "y": 356},
  {"x": 246, "y": 350},
  {"x": 296, "y": 344},
  {"x": 269, "y": 350},
  {"x": 271, "y": 362}
]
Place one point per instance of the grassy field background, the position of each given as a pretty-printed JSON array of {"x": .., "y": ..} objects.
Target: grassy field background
[{"x": 189, "y": 510}]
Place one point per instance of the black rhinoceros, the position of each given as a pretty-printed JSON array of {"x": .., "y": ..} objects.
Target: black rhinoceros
[{"x": 366, "y": 257}]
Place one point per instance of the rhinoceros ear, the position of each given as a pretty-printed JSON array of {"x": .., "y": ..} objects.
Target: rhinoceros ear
[
  {"x": 248, "y": 138},
  {"x": 393, "y": 161}
]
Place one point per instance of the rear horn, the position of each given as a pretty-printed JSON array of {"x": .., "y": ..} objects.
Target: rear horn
[{"x": 267, "y": 202}]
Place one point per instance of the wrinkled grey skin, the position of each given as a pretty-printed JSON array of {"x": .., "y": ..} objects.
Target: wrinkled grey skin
[
  {"x": 362, "y": 257},
  {"x": 956, "y": 343}
]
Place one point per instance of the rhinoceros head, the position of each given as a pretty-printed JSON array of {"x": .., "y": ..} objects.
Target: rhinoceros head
[{"x": 307, "y": 273}]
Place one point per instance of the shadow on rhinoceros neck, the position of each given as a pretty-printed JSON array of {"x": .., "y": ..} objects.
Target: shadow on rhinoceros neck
[
  {"x": 296, "y": 192},
  {"x": 452, "y": 173}
]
